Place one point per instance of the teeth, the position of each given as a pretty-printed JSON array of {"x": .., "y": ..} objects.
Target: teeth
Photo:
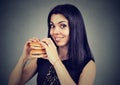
[{"x": 57, "y": 39}]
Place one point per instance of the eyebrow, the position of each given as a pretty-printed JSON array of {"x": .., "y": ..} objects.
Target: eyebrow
[
  {"x": 61, "y": 22},
  {"x": 58, "y": 22}
]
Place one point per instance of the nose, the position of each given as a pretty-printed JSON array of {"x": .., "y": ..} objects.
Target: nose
[{"x": 57, "y": 30}]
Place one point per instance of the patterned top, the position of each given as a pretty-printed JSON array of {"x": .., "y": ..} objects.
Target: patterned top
[{"x": 47, "y": 74}]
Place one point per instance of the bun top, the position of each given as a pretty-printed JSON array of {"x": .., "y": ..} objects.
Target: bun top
[{"x": 36, "y": 45}]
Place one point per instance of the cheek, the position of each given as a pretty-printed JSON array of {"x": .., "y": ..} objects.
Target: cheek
[
  {"x": 67, "y": 33},
  {"x": 51, "y": 32}
]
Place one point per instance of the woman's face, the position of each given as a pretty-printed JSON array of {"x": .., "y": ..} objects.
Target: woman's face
[{"x": 59, "y": 29}]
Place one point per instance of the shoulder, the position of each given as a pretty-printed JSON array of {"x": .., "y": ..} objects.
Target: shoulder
[
  {"x": 90, "y": 64},
  {"x": 88, "y": 73},
  {"x": 89, "y": 67}
]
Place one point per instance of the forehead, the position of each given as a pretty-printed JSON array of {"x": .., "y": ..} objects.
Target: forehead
[{"x": 56, "y": 18}]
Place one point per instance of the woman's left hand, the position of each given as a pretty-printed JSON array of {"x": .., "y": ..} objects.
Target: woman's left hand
[{"x": 51, "y": 50}]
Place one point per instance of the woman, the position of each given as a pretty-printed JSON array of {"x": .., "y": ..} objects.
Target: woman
[{"x": 68, "y": 59}]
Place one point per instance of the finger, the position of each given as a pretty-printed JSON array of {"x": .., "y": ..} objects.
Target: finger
[
  {"x": 51, "y": 42},
  {"x": 36, "y": 39},
  {"x": 29, "y": 41},
  {"x": 44, "y": 45},
  {"x": 46, "y": 41}
]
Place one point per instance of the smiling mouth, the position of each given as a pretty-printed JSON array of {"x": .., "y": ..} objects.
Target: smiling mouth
[{"x": 58, "y": 38}]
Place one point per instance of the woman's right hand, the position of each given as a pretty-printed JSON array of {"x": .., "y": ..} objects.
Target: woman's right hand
[
  {"x": 30, "y": 47},
  {"x": 27, "y": 49}
]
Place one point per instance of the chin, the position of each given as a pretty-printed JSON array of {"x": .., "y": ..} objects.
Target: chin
[{"x": 60, "y": 44}]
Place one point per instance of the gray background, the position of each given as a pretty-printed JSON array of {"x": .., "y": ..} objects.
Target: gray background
[{"x": 21, "y": 20}]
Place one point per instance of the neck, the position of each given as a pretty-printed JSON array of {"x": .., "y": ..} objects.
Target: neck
[{"x": 62, "y": 52}]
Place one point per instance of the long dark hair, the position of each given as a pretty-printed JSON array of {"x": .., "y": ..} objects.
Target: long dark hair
[{"x": 78, "y": 49}]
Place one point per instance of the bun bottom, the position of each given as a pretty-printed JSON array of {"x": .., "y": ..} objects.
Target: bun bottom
[{"x": 37, "y": 51}]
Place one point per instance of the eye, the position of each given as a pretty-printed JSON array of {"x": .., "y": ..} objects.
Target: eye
[
  {"x": 62, "y": 26},
  {"x": 52, "y": 26}
]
